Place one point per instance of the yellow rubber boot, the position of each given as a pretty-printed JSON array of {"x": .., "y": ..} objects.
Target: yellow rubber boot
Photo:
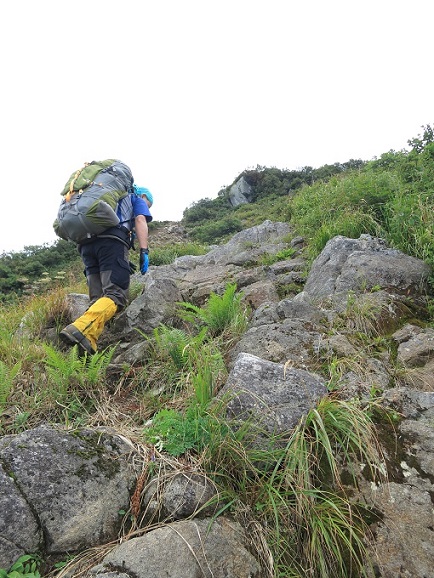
[{"x": 86, "y": 330}]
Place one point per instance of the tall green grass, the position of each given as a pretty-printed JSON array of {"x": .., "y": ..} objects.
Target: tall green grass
[
  {"x": 167, "y": 255},
  {"x": 377, "y": 200},
  {"x": 409, "y": 219},
  {"x": 348, "y": 204},
  {"x": 297, "y": 494},
  {"x": 196, "y": 365},
  {"x": 7, "y": 378}
]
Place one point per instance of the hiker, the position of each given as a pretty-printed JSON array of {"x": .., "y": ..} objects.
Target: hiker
[{"x": 108, "y": 269}]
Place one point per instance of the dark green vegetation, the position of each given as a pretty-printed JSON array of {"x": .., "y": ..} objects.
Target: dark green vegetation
[
  {"x": 305, "y": 522},
  {"x": 209, "y": 221},
  {"x": 25, "y": 567},
  {"x": 36, "y": 268},
  {"x": 392, "y": 197}
]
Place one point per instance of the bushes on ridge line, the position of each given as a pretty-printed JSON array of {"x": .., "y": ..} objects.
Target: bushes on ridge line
[
  {"x": 19, "y": 269},
  {"x": 215, "y": 231},
  {"x": 380, "y": 200}
]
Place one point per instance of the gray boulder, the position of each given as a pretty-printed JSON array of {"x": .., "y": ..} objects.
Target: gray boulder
[
  {"x": 185, "y": 549},
  {"x": 356, "y": 265},
  {"x": 416, "y": 356},
  {"x": 270, "y": 395},
  {"x": 404, "y": 546},
  {"x": 249, "y": 245},
  {"x": 179, "y": 495},
  {"x": 76, "y": 305},
  {"x": 155, "y": 305},
  {"x": 240, "y": 193},
  {"x": 194, "y": 278},
  {"x": 19, "y": 529},
  {"x": 416, "y": 345},
  {"x": 287, "y": 331},
  {"x": 68, "y": 486}
]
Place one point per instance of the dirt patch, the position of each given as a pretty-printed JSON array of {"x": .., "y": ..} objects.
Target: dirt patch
[{"x": 167, "y": 233}]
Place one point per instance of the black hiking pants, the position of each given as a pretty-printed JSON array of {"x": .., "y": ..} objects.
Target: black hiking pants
[{"x": 107, "y": 270}]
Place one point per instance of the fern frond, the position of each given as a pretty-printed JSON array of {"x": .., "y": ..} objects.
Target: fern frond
[
  {"x": 7, "y": 377},
  {"x": 94, "y": 367}
]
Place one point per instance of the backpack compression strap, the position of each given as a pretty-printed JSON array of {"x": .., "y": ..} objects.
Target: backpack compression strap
[{"x": 72, "y": 183}]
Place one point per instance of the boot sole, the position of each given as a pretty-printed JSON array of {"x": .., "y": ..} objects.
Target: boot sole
[{"x": 72, "y": 336}]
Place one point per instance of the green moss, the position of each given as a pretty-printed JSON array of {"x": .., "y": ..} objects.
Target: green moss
[
  {"x": 96, "y": 455},
  {"x": 288, "y": 289}
]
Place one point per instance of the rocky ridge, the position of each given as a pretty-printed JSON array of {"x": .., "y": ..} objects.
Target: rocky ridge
[{"x": 62, "y": 490}]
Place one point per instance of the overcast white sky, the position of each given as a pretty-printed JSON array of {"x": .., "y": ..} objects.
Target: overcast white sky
[{"x": 190, "y": 93}]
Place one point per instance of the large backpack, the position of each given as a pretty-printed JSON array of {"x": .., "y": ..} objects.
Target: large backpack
[{"x": 90, "y": 197}]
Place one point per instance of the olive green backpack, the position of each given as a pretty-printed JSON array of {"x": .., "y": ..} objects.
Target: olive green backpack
[{"x": 90, "y": 199}]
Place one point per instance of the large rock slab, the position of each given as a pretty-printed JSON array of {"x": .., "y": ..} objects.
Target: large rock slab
[
  {"x": 404, "y": 545},
  {"x": 190, "y": 548},
  {"x": 240, "y": 193},
  {"x": 154, "y": 306},
  {"x": 194, "y": 278},
  {"x": 73, "y": 482},
  {"x": 416, "y": 345},
  {"x": 19, "y": 529},
  {"x": 356, "y": 265},
  {"x": 249, "y": 245},
  {"x": 287, "y": 331},
  {"x": 271, "y": 395}
]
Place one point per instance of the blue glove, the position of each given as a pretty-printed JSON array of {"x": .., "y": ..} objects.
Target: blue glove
[{"x": 144, "y": 260}]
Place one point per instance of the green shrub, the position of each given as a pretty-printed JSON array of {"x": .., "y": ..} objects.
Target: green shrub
[
  {"x": 177, "y": 432},
  {"x": 355, "y": 192},
  {"x": 205, "y": 210},
  {"x": 177, "y": 344},
  {"x": 410, "y": 224},
  {"x": 17, "y": 270},
  {"x": 215, "y": 231},
  {"x": 350, "y": 224}
]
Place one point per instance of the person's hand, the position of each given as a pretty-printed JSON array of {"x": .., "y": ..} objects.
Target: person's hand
[{"x": 144, "y": 260}]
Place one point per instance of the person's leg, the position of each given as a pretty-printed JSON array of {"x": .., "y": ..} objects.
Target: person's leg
[
  {"x": 114, "y": 271},
  {"x": 86, "y": 330},
  {"x": 112, "y": 282},
  {"x": 89, "y": 256}
]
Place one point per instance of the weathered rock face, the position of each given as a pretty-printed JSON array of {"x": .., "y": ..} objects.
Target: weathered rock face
[
  {"x": 193, "y": 278},
  {"x": 179, "y": 495},
  {"x": 405, "y": 545},
  {"x": 61, "y": 491},
  {"x": 240, "y": 193},
  {"x": 287, "y": 331},
  {"x": 149, "y": 309},
  {"x": 416, "y": 345},
  {"x": 19, "y": 529},
  {"x": 67, "y": 496},
  {"x": 193, "y": 548},
  {"x": 356, "y": 265},
  {"x": 272, "y": 396}
]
